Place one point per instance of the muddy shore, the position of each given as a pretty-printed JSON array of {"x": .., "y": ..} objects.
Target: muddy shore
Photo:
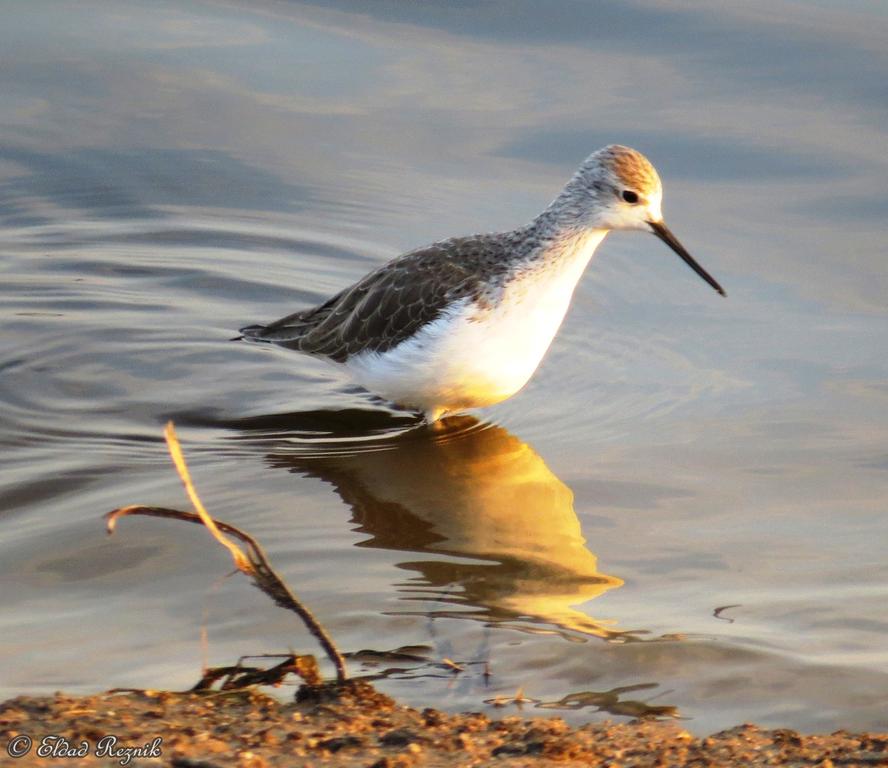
[{"x": 355, "y": 725}]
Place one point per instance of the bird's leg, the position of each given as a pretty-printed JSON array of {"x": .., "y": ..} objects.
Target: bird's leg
[{"x": 433, "y": 416}]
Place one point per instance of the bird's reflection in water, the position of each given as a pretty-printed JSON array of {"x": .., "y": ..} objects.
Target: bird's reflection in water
[{"x": 511, "y": 545}]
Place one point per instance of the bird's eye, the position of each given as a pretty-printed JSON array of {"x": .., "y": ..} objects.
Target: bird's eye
[{"x": 630, "y": 197}]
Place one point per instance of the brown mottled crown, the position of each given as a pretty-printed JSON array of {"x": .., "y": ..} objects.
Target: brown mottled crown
[{"x": 632, "y": 169}]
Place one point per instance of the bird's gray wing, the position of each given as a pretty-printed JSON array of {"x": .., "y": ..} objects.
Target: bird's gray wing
[{"x": 384, "y": 308}]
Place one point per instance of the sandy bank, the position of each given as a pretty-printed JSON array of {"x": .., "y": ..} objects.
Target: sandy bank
[{"x": 357, "y": 726}]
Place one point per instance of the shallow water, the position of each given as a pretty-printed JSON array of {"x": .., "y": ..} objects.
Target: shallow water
[{"x": 684, "y": 510}]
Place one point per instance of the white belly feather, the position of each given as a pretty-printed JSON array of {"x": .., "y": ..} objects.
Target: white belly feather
[{"x": 474, "y": 356}]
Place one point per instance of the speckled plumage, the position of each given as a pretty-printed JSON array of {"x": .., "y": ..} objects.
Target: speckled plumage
[
  {"x": 391, "y": 303},
  {"x": 464, "y": 322}
]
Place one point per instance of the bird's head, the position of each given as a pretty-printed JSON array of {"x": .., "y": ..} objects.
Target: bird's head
[{"x": 617, "y": 188}]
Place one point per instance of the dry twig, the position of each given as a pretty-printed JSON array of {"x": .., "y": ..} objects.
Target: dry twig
[{"x": 253, "y": 562}]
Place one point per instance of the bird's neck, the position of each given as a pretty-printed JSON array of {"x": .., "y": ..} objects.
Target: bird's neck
[
  {"x": 560, "y": 236},
  {"x": 574, "y": 245}
]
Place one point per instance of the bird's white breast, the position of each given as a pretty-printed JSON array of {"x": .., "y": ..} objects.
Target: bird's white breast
[{"x": 476, "y": 354}]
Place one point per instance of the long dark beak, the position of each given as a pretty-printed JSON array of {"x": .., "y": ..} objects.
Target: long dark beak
[{"x": 662, "y": 231}]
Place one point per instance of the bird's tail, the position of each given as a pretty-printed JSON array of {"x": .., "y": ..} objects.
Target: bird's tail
[{"x": 250, "y": 333}]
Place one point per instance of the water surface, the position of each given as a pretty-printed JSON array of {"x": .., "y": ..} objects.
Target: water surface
[{"x": 683, "y": 512}]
